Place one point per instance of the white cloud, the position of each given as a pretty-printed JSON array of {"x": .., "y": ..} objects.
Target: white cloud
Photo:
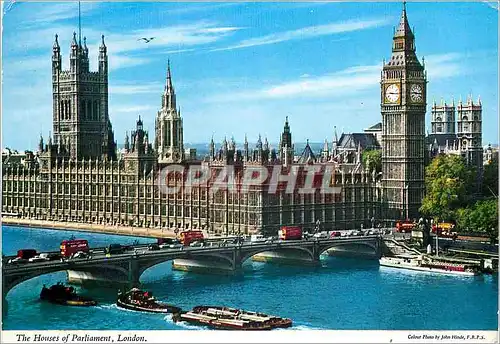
[
  {"x": 135, "y": 88},
  {"x": 131, "y": 109},
  {"x": 308, "y": 32},
  {"x": 346, "y": 82}
]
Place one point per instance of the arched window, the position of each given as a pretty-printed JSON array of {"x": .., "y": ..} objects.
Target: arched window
[
  {"x": 69, "y": 109},
  {"x": 96, "y": 110},
  {"x": 88, "y": 107},
  {"x": 465, "y": 118},
  {"x": 61, "y": 110},
  {"x": 83, "y": 115}
]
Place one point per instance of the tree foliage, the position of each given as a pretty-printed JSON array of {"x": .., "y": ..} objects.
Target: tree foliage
[
  {"x": 372, "y": 160},
  {"x": 481, "y": 217},
  {"x": 448, "y": 182},
  {"x": 490, "y": 178}
]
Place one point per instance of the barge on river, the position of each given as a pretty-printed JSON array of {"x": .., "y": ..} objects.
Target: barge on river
[
  {"x": 224, "y": 318},
  {"x": 143, "y": 301}
]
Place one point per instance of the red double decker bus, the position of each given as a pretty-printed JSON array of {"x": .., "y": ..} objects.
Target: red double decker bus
[
  {"x": 69, "y": 247},
  {"x": 187, "y": 237},
  {"x": 405, "y": 226},
  {"x": 290, "y": 233}
]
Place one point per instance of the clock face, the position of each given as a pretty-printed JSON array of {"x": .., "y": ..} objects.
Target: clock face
[
  {"x": 416, "y": 93},
  {"x": 392, "y": 93}
]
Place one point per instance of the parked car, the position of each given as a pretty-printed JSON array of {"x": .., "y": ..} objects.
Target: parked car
[{"x": 335, "y": 234}]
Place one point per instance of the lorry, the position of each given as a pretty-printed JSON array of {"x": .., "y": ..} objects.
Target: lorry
[
  {"x": 70, "y": 247},
  {"x": 187, "y": 237},
  {"x": 290, "y": 233}
]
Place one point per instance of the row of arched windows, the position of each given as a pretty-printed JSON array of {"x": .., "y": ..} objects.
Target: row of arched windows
[
  {"x": 65, "y": 109},
  {"x": 89, "y": 111}
]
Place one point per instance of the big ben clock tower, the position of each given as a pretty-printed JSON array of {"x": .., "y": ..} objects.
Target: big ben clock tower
[{"x": 403, "y": 103}]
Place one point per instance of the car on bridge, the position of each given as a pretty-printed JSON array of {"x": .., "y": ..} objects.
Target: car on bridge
[
  {"x": 196, "y": 244},
  {"x": 17, "y": 260},
  {"x": 42, "y": 257}
]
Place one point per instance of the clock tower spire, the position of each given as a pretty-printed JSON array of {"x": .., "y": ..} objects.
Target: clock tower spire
[{"x": 403, "y": 104}]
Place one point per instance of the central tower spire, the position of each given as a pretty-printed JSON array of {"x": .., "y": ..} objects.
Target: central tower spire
[{"x": 168, "y": 126}]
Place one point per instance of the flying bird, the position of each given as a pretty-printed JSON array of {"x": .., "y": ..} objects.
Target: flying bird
[{"x": 147, "y": 40}]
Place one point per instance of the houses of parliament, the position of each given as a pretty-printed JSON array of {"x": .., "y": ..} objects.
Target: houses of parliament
[{"x": 77, "y": 175}]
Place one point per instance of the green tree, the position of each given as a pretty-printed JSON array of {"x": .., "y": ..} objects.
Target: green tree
[
  {"x": 490, "y": 178},
  {"x": 372, "y": 159},
  {"x": 481, "y": 217},
  {"x": 448, "y": 182}
]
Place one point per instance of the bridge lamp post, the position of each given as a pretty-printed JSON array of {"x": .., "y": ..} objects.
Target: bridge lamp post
[{"x": 318, "y": 224}]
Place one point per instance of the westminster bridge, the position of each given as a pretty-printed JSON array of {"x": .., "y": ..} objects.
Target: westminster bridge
[{"x": 127, "y": 267}]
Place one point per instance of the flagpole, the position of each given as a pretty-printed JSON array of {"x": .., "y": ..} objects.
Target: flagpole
[{"x": 79, "y": 24}]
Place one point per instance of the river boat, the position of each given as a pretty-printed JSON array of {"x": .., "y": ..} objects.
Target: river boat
[
  {"x": 63, "y": 295},
  {"x": 418, "y": 263},
  {"x": 225, "y": 318},
  {"x": 143, "y": 301}
]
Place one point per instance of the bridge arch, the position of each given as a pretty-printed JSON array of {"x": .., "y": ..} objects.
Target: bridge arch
[
  {"x": 372, "y": 246},
  {"x": 303, "y": 251},
  {"x": 143, "y": 266},
  {"x": 11, "y": 281}
]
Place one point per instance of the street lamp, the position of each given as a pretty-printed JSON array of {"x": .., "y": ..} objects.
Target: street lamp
[{"x": 317, "y": 229}]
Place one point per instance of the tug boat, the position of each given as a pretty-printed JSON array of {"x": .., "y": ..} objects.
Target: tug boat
[
  {"x": 143, "y": 301},
  {"x": 419, "y": 264},
  {"x": 63, "y": 295},
  {"x": 224, "y": 318}
]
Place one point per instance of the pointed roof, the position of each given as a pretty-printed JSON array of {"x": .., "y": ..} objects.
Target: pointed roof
[
  {"x": 307, "y": 155},
  {"x": 73, "y": 42},
  {"x": 56, "y": 42},
  {"x": 375, "y": 127},
  {"x": 325, "y": 146},
  {"x": 335, "y": 137},
  {"x": 102, "y": 47},
  {"x": 403, "y": 29},
  {"x": 169, "y": 86}
]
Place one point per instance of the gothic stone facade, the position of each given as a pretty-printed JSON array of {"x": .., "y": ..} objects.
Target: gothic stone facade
[{"x": 79, "y": 178}]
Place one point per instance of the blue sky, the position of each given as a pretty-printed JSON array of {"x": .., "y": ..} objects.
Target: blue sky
[{"x": 240, "y": 68}]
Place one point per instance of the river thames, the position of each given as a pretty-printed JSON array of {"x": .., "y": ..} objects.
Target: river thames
[{"x": 341, "y": 294}]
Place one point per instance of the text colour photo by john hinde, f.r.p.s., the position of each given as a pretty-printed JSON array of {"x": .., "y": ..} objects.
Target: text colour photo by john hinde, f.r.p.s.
[{"x": 294, "y": 172}]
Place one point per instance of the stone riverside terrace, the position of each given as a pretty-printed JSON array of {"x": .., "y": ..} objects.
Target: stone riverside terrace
[
  {"x": 79, "y": 175},
  {"x": 128, "y": 267}
]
